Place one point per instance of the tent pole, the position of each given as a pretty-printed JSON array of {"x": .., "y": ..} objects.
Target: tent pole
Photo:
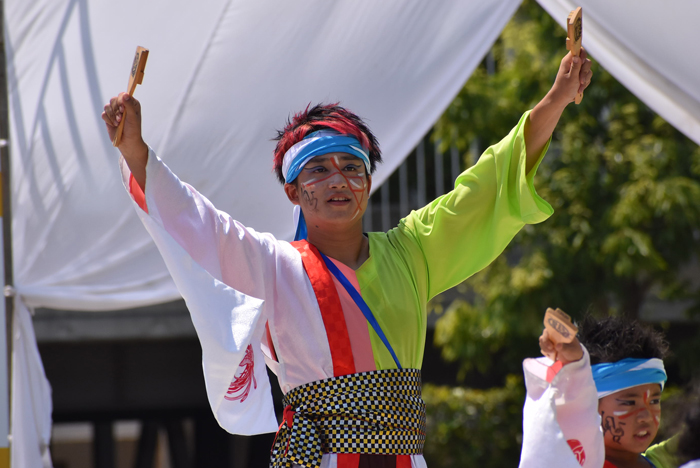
[{"x": 6, "y": 318}]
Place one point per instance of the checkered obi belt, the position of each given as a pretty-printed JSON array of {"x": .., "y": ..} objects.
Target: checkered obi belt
[{"x": 377, "y": 412}]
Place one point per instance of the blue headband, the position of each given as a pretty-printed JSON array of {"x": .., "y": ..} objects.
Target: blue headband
[
  {"x": 317, "y": 144},
  {"x": 611, "y": 377}
]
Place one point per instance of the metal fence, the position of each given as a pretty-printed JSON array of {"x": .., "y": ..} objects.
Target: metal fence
[{"x": 423, "y": 176}]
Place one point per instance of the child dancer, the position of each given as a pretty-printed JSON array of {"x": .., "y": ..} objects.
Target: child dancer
[{"x": 628, "y": 370}]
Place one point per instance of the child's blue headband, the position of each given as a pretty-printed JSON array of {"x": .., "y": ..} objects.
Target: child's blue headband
[{"x": 612, "y": 377}]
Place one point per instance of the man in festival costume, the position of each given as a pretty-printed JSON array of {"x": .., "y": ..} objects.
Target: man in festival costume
[
  {"x": 628, "y": 370},
  {"x": 338, "y": 315}
]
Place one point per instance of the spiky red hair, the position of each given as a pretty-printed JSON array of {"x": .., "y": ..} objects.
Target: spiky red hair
[{"x": 322, "y": 116}]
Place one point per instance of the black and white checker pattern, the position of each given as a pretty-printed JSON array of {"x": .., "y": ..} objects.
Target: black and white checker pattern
[{"x": 378, "y": 412}]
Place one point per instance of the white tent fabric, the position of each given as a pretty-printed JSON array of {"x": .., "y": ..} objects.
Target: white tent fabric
[
  {"x": 647, "y": 46},
  {"x": 222, "y": 76},
  {"x": 31, "y": 397}
]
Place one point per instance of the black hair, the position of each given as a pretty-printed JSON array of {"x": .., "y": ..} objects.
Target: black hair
[{"x": 613, "y": 338}]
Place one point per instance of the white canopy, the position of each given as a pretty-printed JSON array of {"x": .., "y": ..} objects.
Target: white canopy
[
  {"x": 647, "y": 45},
  {"x": 221, "y": 77}
]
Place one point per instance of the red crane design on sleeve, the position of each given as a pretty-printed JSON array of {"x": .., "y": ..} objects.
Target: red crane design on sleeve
[
  {"x": 577, "y": 448},
  {"x": 240, "y": 387}
]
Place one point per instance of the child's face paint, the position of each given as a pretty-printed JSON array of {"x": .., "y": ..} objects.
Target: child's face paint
[
  {"x": 334, "y": 187},
  {"x": 630, "y": 418}
]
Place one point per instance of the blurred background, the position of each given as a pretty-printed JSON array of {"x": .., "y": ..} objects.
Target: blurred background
[{"x": 127, "y": 385}]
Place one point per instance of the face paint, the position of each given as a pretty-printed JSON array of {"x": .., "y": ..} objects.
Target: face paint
[
  {"x": 613, "y": 426},
  {"x": 357, "y": 181},
  {"x": 309, "y": 196},
  {"x": 626, "y": 418},
  {"x": 321, "y": 181},
  {"x": 647, "y": 405}
]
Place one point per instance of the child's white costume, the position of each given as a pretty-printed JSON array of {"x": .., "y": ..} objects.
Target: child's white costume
[{"x": 561, "y": 424}]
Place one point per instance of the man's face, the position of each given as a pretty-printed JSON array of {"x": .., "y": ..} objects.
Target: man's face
[
  {"x": 333, "y": 188},
  {"x": 630, "y": 418}
]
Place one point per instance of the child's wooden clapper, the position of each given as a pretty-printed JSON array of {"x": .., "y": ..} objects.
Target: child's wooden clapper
[
  {"x": 560, "y": 328},
  {"x": 136, "y": 77},
  {"x": 574, "y": 32}
]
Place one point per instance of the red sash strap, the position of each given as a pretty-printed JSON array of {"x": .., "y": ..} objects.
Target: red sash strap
[
  {"x": 331, "y": 309},
  {"x": 357, "y": 460},
  {"x": 348, "y": 460}
]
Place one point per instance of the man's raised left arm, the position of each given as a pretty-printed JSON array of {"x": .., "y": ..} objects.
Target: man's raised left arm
[{"x": 574, "y": 75}]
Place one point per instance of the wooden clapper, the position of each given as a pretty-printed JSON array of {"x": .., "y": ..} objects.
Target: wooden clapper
[
  {"x": 560, "y": 328},
  {"x": 574, "y": 32},
  {"x": 135, "y": 78}
]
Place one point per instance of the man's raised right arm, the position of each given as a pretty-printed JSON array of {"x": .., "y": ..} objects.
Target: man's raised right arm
[{"x": 132, "y": 146}]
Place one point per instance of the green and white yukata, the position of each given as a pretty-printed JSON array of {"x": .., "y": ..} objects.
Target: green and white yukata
[{"x": 252, "y": 301}]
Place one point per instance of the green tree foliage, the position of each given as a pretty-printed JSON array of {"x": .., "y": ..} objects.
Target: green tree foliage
[
  {"x": 625, "y": 186},
  {"x": 469, "y": 427}
]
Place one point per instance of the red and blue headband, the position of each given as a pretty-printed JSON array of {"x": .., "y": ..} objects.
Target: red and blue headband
[{"x": 317, "y": 144}]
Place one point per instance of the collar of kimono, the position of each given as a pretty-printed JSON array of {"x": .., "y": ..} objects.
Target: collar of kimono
[{"x": 612, "y": 377}]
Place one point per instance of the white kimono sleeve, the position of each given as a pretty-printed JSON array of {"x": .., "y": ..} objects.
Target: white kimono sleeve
[
  {"x": 561, "y": 424},
  {"x": 229, "y": 324}
]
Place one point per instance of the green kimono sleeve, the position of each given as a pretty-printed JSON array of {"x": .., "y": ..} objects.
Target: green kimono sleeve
[
  {"x": 663, "y": 455},
  {"x": 464, "y": 230}
]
